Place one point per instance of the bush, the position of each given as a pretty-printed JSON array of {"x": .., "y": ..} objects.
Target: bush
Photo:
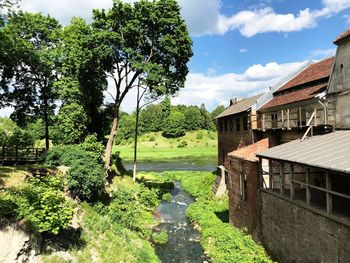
[
  {"x": 3, "y": 138},
  {"x": 8, "y": 206},
  {"x": 160, "y": 238},
  {"x": 182, "y": 144},
  {"x": 86, "y": 179},
  {"x": 44, "y": 205},
  {"x": 152, "y": 139},
  {"x": 166, "y": 197},
  {"x": 65, "y": 155},
  {"x": 93, "y": 147},
  {"x": 199, "y": 135}
]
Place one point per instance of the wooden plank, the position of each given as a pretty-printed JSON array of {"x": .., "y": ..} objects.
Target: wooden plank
[
  {"x": 308, "y": 194},
  {"x": 281, "y": 178},
  {"x": 328, "y": 195},
  {"x": 291, "y": 166}
]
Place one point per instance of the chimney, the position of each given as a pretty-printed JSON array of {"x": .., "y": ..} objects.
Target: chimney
[{"x": 234, "y": 101}]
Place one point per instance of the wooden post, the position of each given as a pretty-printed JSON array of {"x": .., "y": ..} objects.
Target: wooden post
[
  {"x": 263, "y": 121},
  {"x": 315, "y": 111},
  {"x": 291, "y": 182},
  {"x": 329, "y": 195},
  {"x": 308, "y": 194},
  {"x": 282, "y": 118},
  {"x": 270, "y": 175},
  {"x": 300, "y": 120},
  {"x": 288, "y": 119},
  {"x": 261, "y": 174},
  {"x": 281, "y": 178}
]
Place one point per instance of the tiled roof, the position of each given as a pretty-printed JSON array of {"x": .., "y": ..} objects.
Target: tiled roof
[
  {"x": 314, "y": 72},
  {"x": 239, "y": 106},
  {"x": 340, "y": 38},
  {"x": 295, "y": 96},
  {"x": 248, "y": 152}
]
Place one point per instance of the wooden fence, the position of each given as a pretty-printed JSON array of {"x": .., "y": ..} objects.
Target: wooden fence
[{"x": 17, "y": 155}]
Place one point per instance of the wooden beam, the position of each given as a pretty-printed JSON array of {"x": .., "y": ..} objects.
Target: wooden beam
[
  {"x": 288, "y": 112},
  {"x": 300, "y": 120},
  {"x": 291, "y": 166},
  {"x": 282, "y": 112},
  {"x": 308, "y": 194},
  {"x": 270, "y": 175},
  {"x": 328, "y": 195},
  {"x": 281, "y": 178}
]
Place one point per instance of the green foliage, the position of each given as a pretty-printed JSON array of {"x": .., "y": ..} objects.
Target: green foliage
[
  {"x": 43, "y": 204},
  {"x": 221, "y": 241},
  {"x": 199, "y": 135},
  {"x": 36, "y": 129},
  {"x": 65, "y": 155},
  {"x": 21, "y": 138},
  {"x": 174, "y": 125},
  {"x": 93, "y": 147},
  {"x": 160, "y": 238},
  {"x": 126, "y": 129},
  {"x": 166, "y": 197},
  {"x": 70, "y": 124},
  {"x": 3, "y": 138},
  {"x": 86, "y": 179},
  {"x": 182, "y": 144},
  {"x": 151, "y": 118},
  {"x": 8, "y": 206},
  {"x": 217, "y": 111}
]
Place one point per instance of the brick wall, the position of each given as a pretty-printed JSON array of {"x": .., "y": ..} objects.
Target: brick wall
[
  {"x": 243, "y": 213},
  {"x": 292, "y": 233}
]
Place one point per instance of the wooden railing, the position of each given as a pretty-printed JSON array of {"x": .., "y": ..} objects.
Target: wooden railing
[{"x": 18, "y": 155}]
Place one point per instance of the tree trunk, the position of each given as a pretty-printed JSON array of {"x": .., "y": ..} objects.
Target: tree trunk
[
  {"x": 136, "y": 134},
  {"x": 46, "y": 121},
  {"x": 110, "y": 142}
]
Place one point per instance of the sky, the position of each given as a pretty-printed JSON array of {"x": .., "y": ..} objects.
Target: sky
[{"x": 241, "y": 47}]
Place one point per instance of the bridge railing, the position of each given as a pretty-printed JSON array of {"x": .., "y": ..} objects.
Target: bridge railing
[{"x": 17, "y": 154}]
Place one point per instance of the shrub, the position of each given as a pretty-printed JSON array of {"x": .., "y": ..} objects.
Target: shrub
[
  {"x": 166, "y": 197},
  {"x": 65, "y": 155},
  {"x": 182, "y": 144},
  {"x": 8, "y": 206},
  {"x": 93, "y": 147},
  {"x": 3, "y": 138},
  {"x": 86, "y": 179},
  {"x": 148, "y": 197},
  {"x": 44, "y": 206},
  {"x": 152, "y": 139},
  {"x": 199, "y": 135},
  {"x": 160, "y": 237},
  {"x": 174, "y": 125}
]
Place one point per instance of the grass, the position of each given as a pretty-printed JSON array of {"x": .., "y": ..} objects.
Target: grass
[
  {"x": 221, "y": 241},
  {"x": 153, "y": 146}
]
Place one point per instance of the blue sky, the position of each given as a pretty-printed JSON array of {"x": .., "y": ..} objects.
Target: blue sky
[{"x": 241, "y": 47}]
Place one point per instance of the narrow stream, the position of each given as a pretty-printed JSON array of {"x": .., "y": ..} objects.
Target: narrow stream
[{"x": 183, "y": 244}]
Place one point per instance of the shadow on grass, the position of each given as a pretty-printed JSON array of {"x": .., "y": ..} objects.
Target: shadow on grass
[
  {"x": 162, "y": 187},
  {"x": 65, "y": 240},
  {"x": 223, "y": 216}
]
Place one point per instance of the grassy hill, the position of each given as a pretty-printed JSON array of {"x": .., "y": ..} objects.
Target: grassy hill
[{"x": 153, "y": 146}]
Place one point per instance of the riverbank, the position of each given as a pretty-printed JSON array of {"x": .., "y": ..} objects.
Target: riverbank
[{"x": 221, "y": 241}]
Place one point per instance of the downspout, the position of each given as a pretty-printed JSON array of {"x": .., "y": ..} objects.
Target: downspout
[{"x": 324, "y": 111}]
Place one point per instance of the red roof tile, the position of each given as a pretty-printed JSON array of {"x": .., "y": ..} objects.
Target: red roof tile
[
  {"x": 248, "y": 152},
  {"x": 340, "y": 38},
  {"x": 316, "y": 71},
  {"x": 295, "y": 96}
]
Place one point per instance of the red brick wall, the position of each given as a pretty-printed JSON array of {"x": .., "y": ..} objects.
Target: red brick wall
[{"x": 243, "y": 213}]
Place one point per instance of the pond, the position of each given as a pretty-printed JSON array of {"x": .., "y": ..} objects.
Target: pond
[
  {"x": 183, "y": 244},
  {"x": 179, "y": 164}
]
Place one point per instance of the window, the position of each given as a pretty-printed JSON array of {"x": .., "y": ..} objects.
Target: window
[
  {"x": 245, "y": 123},
  {"x": 226, "y": 126},
  {"x": 274, "y": 121},
  {"x": 238, "y": 124}
]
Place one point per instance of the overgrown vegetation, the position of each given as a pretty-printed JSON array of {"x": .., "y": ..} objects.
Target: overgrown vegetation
[{"x": 221, "y": 241}]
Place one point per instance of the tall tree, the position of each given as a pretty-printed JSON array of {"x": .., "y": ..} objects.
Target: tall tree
[
  {"x": 83, "y": 52},
  {"x": 149, "y": 42},
  {"x": 35, "y": 39}
]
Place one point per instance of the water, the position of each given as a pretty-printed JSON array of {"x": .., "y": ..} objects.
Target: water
[
  {"x": 183, "y": 244},
  {"x": 181, "y": 164}
]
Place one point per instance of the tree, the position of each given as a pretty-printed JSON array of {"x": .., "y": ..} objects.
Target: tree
[
  {"x": 83, "y": 54},
  {"x": 193, "y": 118},
  {"x": 219, "y": 109},
  {"x": 208, "y": 123},
  {"x": 174, "y": 125},
  {"x": 151, "y": 118},
  {"x": 149, "y": 43},
  {"x": 36, "y": 38}
]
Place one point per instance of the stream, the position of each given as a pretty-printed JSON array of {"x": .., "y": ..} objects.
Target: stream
[{"x": 183, "y": 244}]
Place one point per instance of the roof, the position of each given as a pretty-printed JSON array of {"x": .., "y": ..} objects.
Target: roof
[
  {"x": 329, "y": 151},
  {"x": 295, "y": 96},
  {"x": 314, "y": 72},
  {"x": 248, "y": 152},
  {"x": 342, "y": 37},
  {"x": 239, "y": 106}
]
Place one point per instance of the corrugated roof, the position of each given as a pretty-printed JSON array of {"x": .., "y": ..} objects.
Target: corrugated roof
[
  {"x": 295, "y": 96},
  {"x": 249, "y": 152},
  {"x": 314, "y": 72},
  {"x": 342, "y": 37},
  {"x": 331, "y": 151},
  {"x": 239, "y": 106}
]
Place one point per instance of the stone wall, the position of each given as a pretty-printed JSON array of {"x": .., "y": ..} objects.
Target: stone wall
[
  {"x": 243, "y": 213},
  {"x": 229, "y": 140},
  {"x": 292, "y": 233}
]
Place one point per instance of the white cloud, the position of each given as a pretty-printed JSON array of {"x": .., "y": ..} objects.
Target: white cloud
[
  {"x": 322, "y": 53},
  {"x": 347, "y": 19},
  {"x": 217, "y": 90},
  {"x": 5, "y": 112},
  {"x": 243, "y": 50}
]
